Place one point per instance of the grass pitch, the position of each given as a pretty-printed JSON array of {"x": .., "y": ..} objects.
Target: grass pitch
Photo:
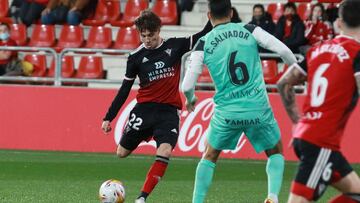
[{"x": 33, "y": 176}]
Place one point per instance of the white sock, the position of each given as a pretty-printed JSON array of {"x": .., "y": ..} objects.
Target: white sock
[{"x": 274, "y": 197}]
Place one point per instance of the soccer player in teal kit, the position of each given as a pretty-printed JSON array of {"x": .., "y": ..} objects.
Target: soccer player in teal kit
[{"x": 230, "y": 51}]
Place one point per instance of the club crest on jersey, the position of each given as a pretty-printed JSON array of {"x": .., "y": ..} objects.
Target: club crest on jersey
[
  {"x": 159, "y": 64},
  {"x": 168, "y": 51},
  {"x": 145, "y": 60}
]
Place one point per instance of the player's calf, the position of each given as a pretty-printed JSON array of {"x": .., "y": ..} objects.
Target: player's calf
[{"x": 346, "y": 198}]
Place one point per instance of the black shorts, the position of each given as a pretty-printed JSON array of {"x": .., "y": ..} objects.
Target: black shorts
[
  {"x": 151, "y": 120},
  {"x": 318, "y": 168}
]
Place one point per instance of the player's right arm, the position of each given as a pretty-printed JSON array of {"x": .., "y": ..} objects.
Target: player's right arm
[
  {"x": 295, "y": 75},
  {"x": 192, "y": 75},
  {"x": 122, "y": 95},
  {"x": 271, "y": 43}
]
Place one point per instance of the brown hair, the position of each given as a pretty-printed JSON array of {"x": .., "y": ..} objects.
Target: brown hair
[
  {"x": 323, "y": 12},
  {"x": 148, "y": 21}
]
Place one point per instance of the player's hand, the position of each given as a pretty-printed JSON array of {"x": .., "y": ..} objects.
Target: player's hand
[
  {"x": 106, "y": 127},
  {"x": 46, "y": 11},
  {"x": 190, "y": 106}
]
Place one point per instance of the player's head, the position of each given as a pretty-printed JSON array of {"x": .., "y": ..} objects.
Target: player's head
[
  {"x": 289, "y": 9},
  {"x": 4, "y": 31},
  {"x": 219, "y": 11},
  {"x": 349, "y": 13},
  {"x": 148, "y": 24}
]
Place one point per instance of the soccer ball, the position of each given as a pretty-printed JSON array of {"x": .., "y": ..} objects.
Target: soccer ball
[{"x": 112, "y": 191}]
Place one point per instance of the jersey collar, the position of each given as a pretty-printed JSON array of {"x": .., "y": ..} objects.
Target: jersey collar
[{"x": 221, "y": 24}]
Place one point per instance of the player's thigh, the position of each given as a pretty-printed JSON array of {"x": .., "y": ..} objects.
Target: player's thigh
[
  {"x": 138, "y": 128},
  {"x": 317, "y": 169},
  {"x": 166, "y": 129},
  {"x": 223, "y": 133},
  {"x": 348, "y": 184},
  {"x": 265, "y": 135}
]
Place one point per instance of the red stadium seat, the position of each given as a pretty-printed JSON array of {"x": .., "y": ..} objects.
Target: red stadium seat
[
  {"x": 70, "y": 37},
  {"x": 99, "y": 37},
  {"x": 329, "y": 1},
  {"x": 299, "y": 1},
  {"x": 167, "y": 11},
  {"x": 276, "y": 10},
  {"x": 132, "y": 11},
  {"x": 39, "y": 63},
  {"x": 42, "y": 36},
  {"x": 18, "y": 34},
  {"x": 127, "y": 38},
  {"x": 4, "y": 9},
  {"x": 205, "y": 76},
  {"x": 67, "y": 67},
  {"x": 270, "y": 71},
  {"x": 304, "y": 10},
  {"x": 106, "y": 11},
  {"x": 90, "y": 68}
]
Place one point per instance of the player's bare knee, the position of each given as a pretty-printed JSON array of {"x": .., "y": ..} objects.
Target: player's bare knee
[
  {"x": 122, "y": 152},
  {"x": 277, "y": 149},
  {"x": 211, "y": 156},
  {"x": 164, "y": 150}
]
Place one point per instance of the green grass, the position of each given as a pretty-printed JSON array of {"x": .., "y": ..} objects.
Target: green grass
[{"x": 32, "y": 176}]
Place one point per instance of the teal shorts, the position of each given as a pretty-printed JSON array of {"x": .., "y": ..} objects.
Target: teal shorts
[{"x": 260, "y": 127}]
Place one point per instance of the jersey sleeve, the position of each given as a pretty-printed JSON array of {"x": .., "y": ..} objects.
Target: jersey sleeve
[
  {"x": 268, "y": 41},
  {"x": 194, "y": 70},
  {"x": 131, "y": 68},
  {"x": 356, "y": 65}
]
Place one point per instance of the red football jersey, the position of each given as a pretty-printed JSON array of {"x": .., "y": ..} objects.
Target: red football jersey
[
  {"x": 159, "y": 71},
  {"x": 9, "y": 42},
  {"x": 318, "y": 32},
  {"x": 332, "y": 92}
]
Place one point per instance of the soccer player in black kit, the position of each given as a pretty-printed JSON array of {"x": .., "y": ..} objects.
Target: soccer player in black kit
[{"x": 157, "y": 64}]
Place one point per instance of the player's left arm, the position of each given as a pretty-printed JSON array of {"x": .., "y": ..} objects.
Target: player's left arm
[
  {"x": 192, "y": 75},
  {"x": 268, "y": 41},
  {"x": 295, "y": 75}
]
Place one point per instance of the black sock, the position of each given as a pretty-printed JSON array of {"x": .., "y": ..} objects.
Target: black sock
[{"x": 144, "y": 195}]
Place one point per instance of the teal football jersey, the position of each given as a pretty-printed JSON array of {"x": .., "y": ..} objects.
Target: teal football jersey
[{"x": 232, "y": 57}]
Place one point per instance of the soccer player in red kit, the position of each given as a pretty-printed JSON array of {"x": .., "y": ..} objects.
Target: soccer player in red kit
[
  {"x": 332, "y": 71},
  {"x": 157, "y": 64}
]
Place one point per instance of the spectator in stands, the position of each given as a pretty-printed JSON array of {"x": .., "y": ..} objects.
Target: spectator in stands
[
  {"x": 332, "y": 13},
  {"x": 9, "y": 64},
  {"x": 67, "y": 11},
  {"x": 262, "y": 19},
  {"x": 235, "y": 17},
  {"x": 318, "y": 29},
  {"x": 14, "y": 11},
  {"x": 30, "y": 10},
  {"x": 187, "y": 5},
  {"x": 290, "y": 28}
]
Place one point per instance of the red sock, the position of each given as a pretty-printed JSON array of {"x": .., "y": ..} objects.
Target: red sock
[
  {"x": 155, "y": 173},
  {"x": 342, "y": 199}
]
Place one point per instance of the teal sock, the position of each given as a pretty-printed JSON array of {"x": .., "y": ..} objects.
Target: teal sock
[
  {"x": 203, "y": 179},
  {"x": 275, "y": 170}
]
